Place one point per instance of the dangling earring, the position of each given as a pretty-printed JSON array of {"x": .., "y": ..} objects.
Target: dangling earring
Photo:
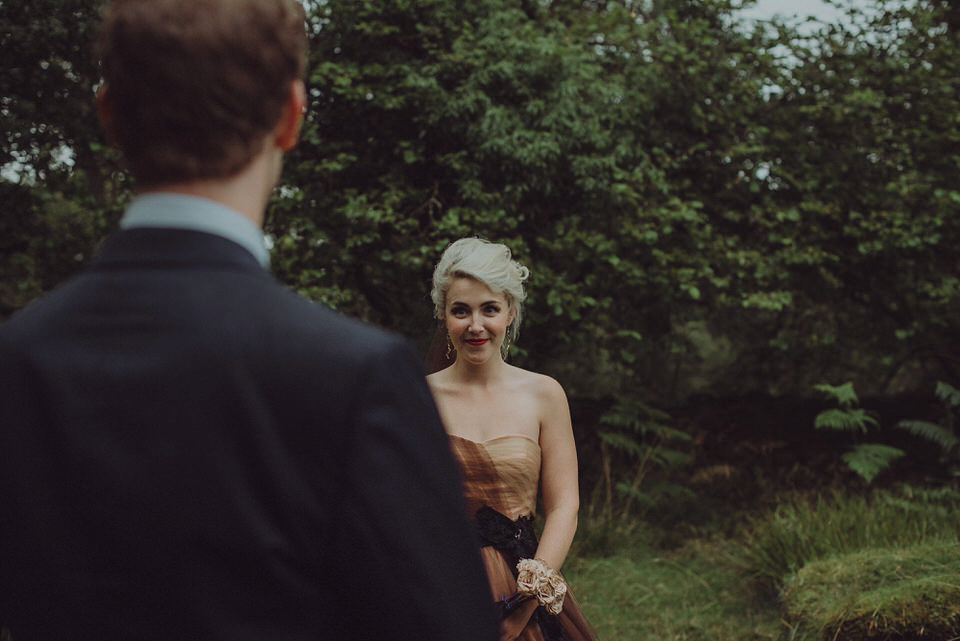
[
  {"x": 506, "y": 342},
  {"x": 449, "y": 346}
]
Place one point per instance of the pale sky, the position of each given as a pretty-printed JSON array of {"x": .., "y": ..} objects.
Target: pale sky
[{"x": 790, "y": 9}]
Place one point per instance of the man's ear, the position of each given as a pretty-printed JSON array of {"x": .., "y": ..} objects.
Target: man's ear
[
  {"x": 288, "y": 129},
  {"x": 104, "y": 105}
]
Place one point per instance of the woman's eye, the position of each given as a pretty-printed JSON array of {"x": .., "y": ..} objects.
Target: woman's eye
[{"x": 492, "y": 309}]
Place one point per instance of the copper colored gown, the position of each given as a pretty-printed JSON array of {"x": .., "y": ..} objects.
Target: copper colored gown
[{"x": 504, "y": 474}]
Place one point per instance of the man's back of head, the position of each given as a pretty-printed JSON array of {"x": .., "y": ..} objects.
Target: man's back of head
[{"x": 193, "y": 87}]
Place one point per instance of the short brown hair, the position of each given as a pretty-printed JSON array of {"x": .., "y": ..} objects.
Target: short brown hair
[{"x": 194, "y": 86}]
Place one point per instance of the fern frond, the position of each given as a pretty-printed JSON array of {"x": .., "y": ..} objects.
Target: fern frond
[
  {"x": 667, "y": 433},
  {"x": 654, "y": 414},
  {"x": 628, "y": 490},
  {"x": 842, "y": 394},
  {"x": 636, "y": 416},
  {"x": 932, "y": 432},
  {"x": 869, "y": 459},
  {"x": 845, "y": 420},
  {"x": 617, "y": 416},
  {"x": 648, "y": 427},
  {"x": 672, "y": 458},
  {"x": 624, "y": 443},
  {"x": 948, "y": 394},
  {"x": 672, "y": 492}
]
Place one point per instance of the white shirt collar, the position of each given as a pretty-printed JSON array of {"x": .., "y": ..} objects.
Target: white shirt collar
[{"x": 179, "y": 211}]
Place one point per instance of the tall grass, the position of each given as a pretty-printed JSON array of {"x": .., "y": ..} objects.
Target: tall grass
[
  {"x": 604, "y": 536},
  {"x": 688, "y": 594},
  {"x": 803, "y": 530}
]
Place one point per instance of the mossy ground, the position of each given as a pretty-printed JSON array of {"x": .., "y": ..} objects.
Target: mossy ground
[{"x": 875, "y": 594}]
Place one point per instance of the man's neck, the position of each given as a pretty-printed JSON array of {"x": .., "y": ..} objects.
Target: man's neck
[{"x": 246, "y": 193}]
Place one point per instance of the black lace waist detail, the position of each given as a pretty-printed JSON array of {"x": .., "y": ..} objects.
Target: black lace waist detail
[{"x": 515, "y": 540}]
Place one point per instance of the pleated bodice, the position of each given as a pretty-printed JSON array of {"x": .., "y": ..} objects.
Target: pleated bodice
[{"x": 503, "y": 473}]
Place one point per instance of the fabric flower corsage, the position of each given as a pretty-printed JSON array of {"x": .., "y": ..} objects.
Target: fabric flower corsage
[{"x": 538, "y": 580}]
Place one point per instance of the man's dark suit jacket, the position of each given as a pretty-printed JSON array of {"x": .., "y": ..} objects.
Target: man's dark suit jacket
[{"x": 190, "y": 451}]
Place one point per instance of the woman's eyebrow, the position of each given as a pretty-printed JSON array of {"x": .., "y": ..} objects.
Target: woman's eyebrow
[{"x": 486, "y": 302}]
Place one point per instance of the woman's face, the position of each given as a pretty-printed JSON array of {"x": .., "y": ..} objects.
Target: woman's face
[{"x": 477, "y": 319}]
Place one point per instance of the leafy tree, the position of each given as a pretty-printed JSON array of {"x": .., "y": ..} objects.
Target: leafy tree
[
  {"x": 860, "y": 167},
  {"x": 675, "y": 181},
  {"x": 58, "y": 177},
  {"x": 580, "y": 135}
]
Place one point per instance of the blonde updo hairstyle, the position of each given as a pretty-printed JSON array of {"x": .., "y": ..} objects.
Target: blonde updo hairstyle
[{"x": 489, "y": 263}]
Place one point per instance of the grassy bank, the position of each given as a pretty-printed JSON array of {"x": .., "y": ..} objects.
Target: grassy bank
[
  {"x": 843, "y": 567},
  {"x": 878, "y": 594}
]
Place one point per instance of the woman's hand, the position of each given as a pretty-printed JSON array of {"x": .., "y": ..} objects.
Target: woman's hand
[{"x": 513, "y": 625}]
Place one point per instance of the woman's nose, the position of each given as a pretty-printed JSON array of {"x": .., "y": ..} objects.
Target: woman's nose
[{"x": 475, "y": 324}]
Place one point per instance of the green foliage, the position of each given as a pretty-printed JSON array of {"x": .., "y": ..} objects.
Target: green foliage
[
  {"x": 947, "y": 393},
  {"x": 47, "y": 82},
  {"x": 942, "y": 434},
  {"x": 801, "y": 530},
  {"x": 944, "y": 438},
  {"x": 635, "y": 440},
  {"x": 58, "y": 175},
  {"x": 866, "y": 459},
  {"x": 654, "y": 164},
  {"x": 869, "y": 459},
  {"x": 844, "y": 394},
  {"x": 847, "y": 420}
]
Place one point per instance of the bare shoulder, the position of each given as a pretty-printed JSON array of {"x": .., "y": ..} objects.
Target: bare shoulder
[
  {"x": 439, "y": 382},
  {"x": 544, "y": 387},
  {"x": 553, "y": 411}
]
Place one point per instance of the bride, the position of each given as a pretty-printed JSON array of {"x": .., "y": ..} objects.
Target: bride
[{"x": 511, "y": 432}]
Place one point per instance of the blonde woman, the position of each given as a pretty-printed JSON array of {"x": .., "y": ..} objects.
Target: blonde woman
[{"x": 511, "y": 432}]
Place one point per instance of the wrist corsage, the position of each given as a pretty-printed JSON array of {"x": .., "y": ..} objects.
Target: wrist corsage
[{"x": 538, "y": 580}]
